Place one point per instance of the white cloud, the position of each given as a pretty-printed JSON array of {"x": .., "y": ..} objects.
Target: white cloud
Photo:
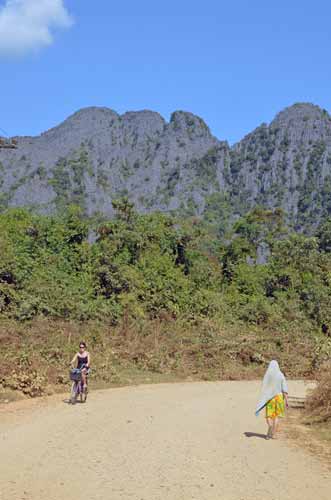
[{"x": 27, "y": 25}]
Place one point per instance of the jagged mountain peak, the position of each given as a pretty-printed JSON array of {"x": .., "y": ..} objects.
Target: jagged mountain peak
[
  {"x": 89, "y": 114},
  {"x": 143, "y": 122},
  {"x": 93, "y": 111},
  {"x": 89, "y": 120},
  {"x": 184, "y": 120},
  {"x": 300, "y": 120},
  {"x": 98, "y": 115},
  {"x": 82, "y": 123},
  {"x": 97, "y": 155},
  {"x": 142, "y": 114},
  {"x": 300, "y": 112}
]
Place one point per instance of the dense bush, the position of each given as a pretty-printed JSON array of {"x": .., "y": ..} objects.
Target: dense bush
[
  {"x": 187, "y": 296},
  {"x": 319, "y": 403},
  {"x": 148, "y": 266}
]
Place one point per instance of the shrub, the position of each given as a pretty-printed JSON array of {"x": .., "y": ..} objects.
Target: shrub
[{"x": 319, "y": 402}]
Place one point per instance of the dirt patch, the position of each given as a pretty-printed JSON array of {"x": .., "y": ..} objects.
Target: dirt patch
[
  {"x": 312, "y": 436},
  {"x": 197, "y": 441}
]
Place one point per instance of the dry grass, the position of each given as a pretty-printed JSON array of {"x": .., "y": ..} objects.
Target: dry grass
[
  {"x": 311, "y": 427},
  {"x": 36, "y": 355},
  {"x": 319, "y": 402},
  {"x": 314, "y": 438}
]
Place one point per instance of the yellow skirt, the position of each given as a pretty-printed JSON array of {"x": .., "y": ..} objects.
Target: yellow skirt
[{"x": 275, "y": 407}]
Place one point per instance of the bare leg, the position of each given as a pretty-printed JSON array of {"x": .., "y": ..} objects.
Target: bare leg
[
  {"x": 84, "y": 378},
  {"x": 270, "y": 426},
  {"x": 275, "y": 427}
]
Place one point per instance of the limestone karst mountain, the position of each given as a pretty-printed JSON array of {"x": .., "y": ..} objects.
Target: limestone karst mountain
[{"x": 97, "y": 155}]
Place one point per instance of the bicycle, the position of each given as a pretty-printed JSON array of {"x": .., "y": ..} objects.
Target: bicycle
[{"x": 77, "y": 388}]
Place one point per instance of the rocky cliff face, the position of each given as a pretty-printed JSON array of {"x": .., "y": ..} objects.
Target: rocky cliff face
[
  {"x": 286, "y": 164},
  {"x": 97, "y": 155}
]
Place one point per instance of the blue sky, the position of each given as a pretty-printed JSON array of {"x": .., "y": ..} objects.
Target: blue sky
[{"x": 235, "y": 63}]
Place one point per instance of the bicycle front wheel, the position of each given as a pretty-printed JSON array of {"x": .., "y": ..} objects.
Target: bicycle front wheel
[{"x": 73, "y": 393}]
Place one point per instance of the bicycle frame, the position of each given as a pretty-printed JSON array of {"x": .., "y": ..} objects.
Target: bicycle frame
[{"x": 77, "y": 389}]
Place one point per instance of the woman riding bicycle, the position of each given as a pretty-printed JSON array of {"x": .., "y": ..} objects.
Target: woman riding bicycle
[{"x": 83, "y": 360}]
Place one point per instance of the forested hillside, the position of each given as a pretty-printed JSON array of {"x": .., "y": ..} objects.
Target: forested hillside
[{"x": 156, "y": 294}]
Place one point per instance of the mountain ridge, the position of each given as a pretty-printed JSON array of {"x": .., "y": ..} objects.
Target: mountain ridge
[{"x": 96, "y": 155}]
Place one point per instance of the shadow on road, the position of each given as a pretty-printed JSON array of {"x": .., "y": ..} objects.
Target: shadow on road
[
  {"x": 255, "y": 434},
  {"x": 68, "y": 402}
]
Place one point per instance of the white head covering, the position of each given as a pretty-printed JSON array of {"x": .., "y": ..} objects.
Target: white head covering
[{"x": 273, "y": 383}]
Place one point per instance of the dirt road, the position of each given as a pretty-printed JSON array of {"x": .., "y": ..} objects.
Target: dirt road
[{"x": 161, "y": 442}]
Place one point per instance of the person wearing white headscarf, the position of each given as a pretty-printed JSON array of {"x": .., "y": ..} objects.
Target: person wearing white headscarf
[{"x": 274, "y": 397}]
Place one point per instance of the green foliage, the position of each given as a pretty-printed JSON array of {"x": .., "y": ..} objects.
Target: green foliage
[
  {"x": 68, "y": 179},
  {"x": 217, "y": 213},
  {"x": 156, "y": 293},
  {"x": 206, "y": 170},
  {"x": 323, "y": 235},
  {"x": 102, "y": 178},
  {"x": 153, "y": 266}
]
